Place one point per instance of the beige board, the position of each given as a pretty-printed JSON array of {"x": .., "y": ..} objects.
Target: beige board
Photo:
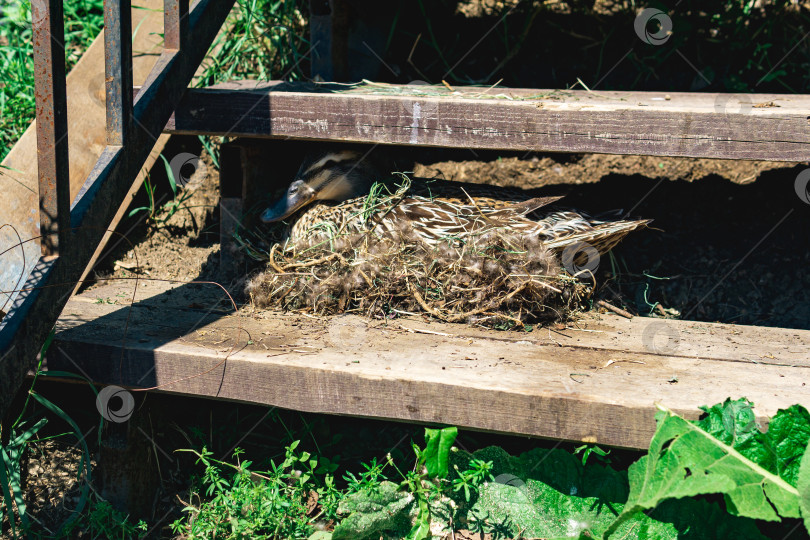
[{"x": 597, "y": 380}]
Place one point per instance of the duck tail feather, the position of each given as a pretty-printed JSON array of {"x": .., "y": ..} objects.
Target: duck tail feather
[{"x": 602, "y": 237}]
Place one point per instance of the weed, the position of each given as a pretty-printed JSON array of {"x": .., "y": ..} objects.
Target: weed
[
  {"x": 104, "y": 521},
  {"x": 265, "y": 39},
  {"x": 277, "y": 503},
  {"x": 20, "y": 433},
  {"x": 159, "y": 215}
]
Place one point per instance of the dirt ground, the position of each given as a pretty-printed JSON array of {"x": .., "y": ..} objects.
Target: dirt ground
[{"x": 725, "y": 244}]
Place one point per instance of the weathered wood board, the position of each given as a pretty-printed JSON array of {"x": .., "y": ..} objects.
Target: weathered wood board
[
  {"x": 597, "y": 380},
  {"x": 732, "y": 126}
]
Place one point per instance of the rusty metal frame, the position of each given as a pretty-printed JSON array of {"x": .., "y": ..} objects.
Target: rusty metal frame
[
  {"x": 73, "y": 229},
  {"x": 51, "y": 110}
]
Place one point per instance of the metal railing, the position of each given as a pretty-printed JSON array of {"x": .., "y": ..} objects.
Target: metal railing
[{"x": 71, "y": 230}]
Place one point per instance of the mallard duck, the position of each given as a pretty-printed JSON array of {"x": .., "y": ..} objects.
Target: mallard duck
[{"x": 434, "y": 212}]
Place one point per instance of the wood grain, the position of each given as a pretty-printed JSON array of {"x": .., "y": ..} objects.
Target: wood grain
[
  {"x": 598, "y": 380},
  {"x": 746, "y": 126}
]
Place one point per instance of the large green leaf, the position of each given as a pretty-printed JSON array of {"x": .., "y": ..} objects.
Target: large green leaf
[
  {"x": 789, "y": 435},
  {"x": 804, "y": 488},
  {"x": 720, "y": 454},
  {"x": 437, "y": 450},
  {"x": 550, "y": 494},
  {"x": 779, "y": 450}
]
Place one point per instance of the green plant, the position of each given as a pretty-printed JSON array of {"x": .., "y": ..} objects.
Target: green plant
[
  {"x": 556, "y": 494},
  {"x": 277, "y": 503},
  {"x": 104, "y": 521},
  {"x": 264, "y": 39},
  {"x": 158, "y": 214},
  {"x": 587, "y": 449},
  {"x": 420, "y": 499},
  {"x": 726, "y": 453},
  {"x": 470, "y": 480}
]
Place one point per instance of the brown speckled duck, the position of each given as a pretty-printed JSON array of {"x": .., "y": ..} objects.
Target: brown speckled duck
[{"x": 433, "y": 211}]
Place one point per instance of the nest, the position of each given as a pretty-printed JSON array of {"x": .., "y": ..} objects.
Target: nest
[{"x": 500, "y": 278}]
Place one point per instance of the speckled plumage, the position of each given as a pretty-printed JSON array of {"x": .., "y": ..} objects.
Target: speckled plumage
[
  {"x": 437, "y": 220},
  {"x": 435, "y": 212}
]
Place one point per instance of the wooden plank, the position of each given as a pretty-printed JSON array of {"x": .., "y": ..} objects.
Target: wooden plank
[
  {"x": 748, "y": 126},
  {"x": 599, "y": 382},
  {"x": 86, "y": 140}
]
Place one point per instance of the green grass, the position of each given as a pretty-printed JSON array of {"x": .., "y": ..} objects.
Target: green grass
[
  {"x": 83, "y": 21},
  {"x": 265, "y": 39}
]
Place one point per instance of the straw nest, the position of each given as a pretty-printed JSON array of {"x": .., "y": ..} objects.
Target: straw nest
[{"x": 342, "y": 262}]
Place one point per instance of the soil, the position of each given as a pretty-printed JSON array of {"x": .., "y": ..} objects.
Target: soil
[
  {"x": 177, "y": 242},
  {"x": 53, "y": 483}
]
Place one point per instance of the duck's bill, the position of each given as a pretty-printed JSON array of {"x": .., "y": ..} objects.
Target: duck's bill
[{"x": 286, "y": 206}]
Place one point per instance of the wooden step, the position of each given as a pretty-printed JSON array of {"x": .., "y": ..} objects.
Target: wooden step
[
  {"x": 732, "y": 126},
  {"x": 596, "y": 380}
]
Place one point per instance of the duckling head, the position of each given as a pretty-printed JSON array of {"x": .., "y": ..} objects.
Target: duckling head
[{"x": 331, "y": 176}]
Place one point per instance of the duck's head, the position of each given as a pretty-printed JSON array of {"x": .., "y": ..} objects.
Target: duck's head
[{"x": 325, "y": 176}]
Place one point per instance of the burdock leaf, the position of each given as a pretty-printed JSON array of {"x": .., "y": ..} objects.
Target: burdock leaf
[
  {"x": 804, "y": 488},
  {"x": 685, "y": 460},
  {"x": 550, "y": 494}
]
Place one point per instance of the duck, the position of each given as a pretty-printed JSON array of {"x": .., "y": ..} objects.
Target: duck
[{"x": 332, "y": 187}]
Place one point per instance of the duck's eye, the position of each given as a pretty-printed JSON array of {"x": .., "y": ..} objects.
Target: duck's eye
[{"x": 293, "y": 190}]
